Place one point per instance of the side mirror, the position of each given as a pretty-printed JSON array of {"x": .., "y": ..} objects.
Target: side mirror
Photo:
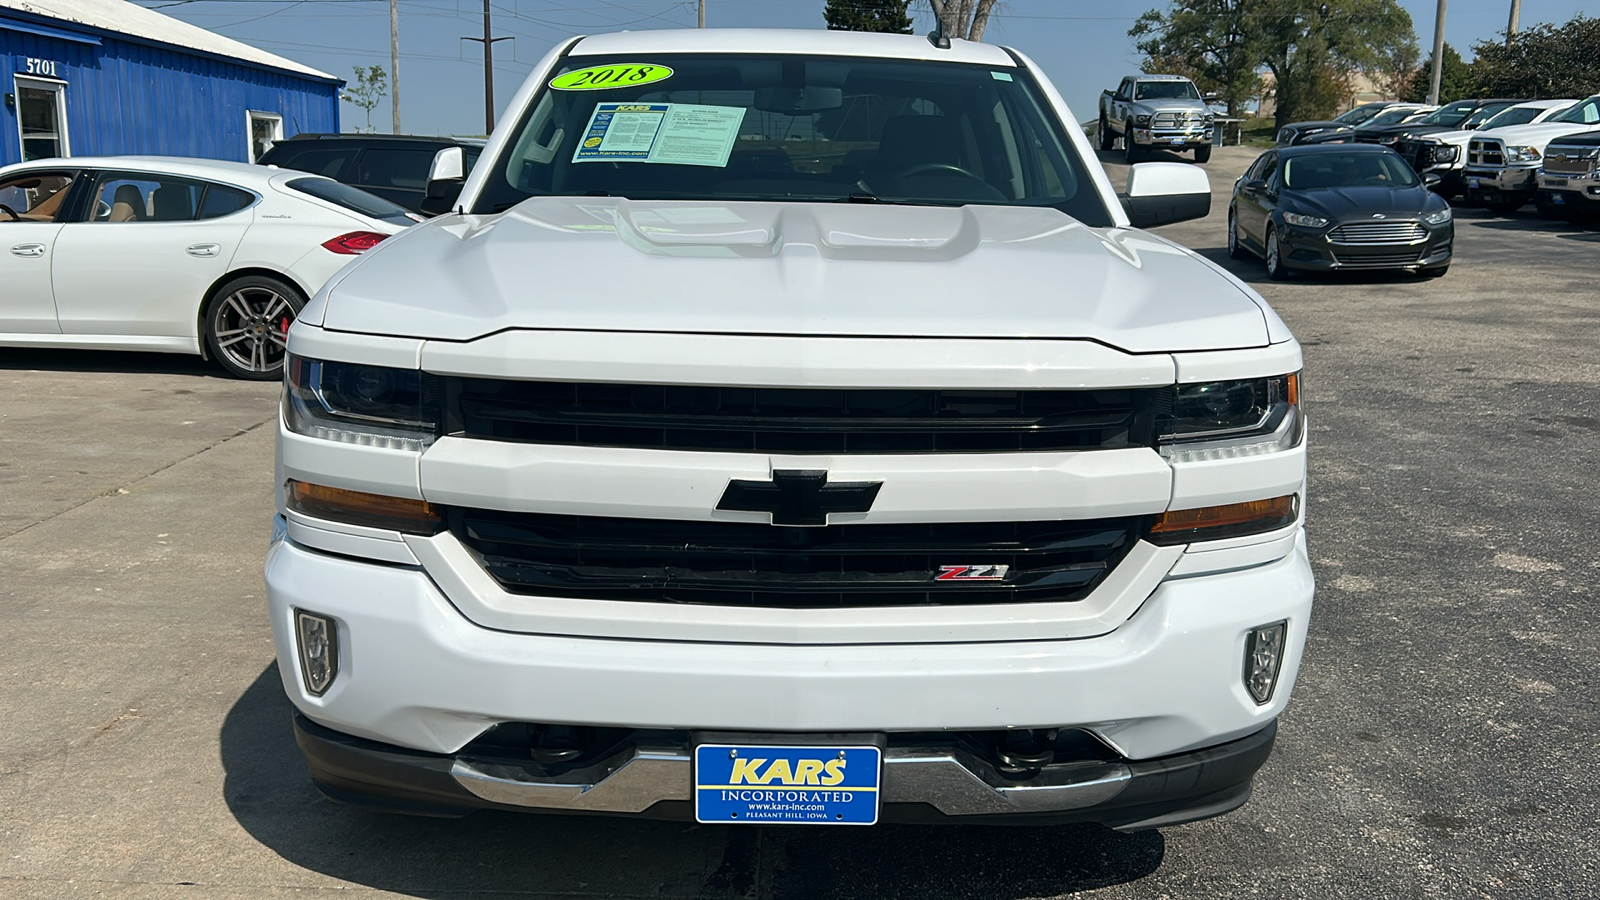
[
  {"x": 1163, "y": 193},
  {"x": 1255, "y": 185},
  {"x": 446, "y": 177},
  {"x": 1431, "y": 179}
]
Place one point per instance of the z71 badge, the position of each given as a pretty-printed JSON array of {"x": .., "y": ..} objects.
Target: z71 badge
[{"x": 972, "y": 573}]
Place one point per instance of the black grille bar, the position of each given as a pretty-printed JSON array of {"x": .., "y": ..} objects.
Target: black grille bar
[
  {"x": 744, "y": 564},
  {"x": 802, "y": 420}
]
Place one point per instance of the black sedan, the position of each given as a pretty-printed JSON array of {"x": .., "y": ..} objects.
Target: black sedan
[{"x": 1338, "y": 206}]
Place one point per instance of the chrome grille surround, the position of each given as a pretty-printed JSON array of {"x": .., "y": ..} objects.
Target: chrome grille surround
[
  {"x": 1486, "y": 152},
  {"x": 1371, "y": 233},
  {"x": 1176, "y": 120}
]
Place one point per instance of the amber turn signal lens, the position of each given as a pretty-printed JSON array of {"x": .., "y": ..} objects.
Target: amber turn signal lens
[
  {"x": 1292, "y": 392},
  {"x": 1210, "y": 523},
  {"x": 359, "y": 508}
]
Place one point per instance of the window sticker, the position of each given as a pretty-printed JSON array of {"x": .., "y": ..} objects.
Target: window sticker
[
  {"x": 681, "y": 134},
  {"x": 600, "y": 78},
  {"x": 1001, "y": 76}
]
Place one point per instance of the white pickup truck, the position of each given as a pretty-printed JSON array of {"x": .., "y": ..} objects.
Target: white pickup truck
[
  {"x": 1502, "y": 170},
  {"x": 1156, "y": 112},
  {"x": 791, "y": 427}
]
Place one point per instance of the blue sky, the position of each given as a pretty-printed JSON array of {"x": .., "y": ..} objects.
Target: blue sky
[{"x": 1081, "y": 44}]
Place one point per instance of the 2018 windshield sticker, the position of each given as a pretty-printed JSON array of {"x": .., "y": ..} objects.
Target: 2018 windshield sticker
[
  {"x": 681, "y": 134},
  {"x": 600, "y": 78}
]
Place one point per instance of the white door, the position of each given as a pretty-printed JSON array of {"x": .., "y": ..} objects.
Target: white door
[
  {"x": 143, "y": 261},
  {"x": 30, "y": 204}
]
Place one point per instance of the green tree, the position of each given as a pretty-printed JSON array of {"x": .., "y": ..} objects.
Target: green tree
[
  {"x": 868, "y": 15},
  {"x": 368, "y": 91},
  {"x": 1312, "y": 47},
  {"x": 1456, "y": 79},
  {"x": 1543, "y": 61},
  {"x": 1211, "y": 41}
]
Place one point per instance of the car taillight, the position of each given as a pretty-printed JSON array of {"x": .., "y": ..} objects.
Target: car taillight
[{"x": 355, "y": 242}]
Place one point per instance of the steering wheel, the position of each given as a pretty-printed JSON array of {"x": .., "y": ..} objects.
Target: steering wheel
[
  {"x": 926, "y": 168},
  {"x": 10, "y": 212}
]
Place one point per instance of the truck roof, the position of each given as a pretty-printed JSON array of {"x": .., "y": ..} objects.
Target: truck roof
[
  {"x": 1160, "y": 77},
  {"x": 807, "y": 42}
]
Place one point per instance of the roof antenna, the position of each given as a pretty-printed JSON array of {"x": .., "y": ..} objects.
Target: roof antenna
[{"x": 937, "y": 36}]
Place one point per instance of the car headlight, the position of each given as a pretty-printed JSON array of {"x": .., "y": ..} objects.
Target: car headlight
[
  {"x": 374, "y": 406},
  {"x": 1437, "y": 217},
  {"x": 1143, "y": 121},
  {"x": 1446, "y": 153},
  {"x": 1231, "y": 419},
  {"x": 1305, "y": 221},
  {"x": 1523, "y": 154},
  {"x": 1389, "y": 139}
]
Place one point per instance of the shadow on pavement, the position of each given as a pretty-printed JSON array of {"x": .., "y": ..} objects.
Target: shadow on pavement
[
  {"x": 269, "y": 794},
  {"x": 57, "y": 360}
]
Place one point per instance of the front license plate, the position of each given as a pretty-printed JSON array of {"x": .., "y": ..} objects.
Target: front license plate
[
  {"x": 1473, "y": 182},
  {"x": 1177, "y": 140},
  {"x": 1557, "y": 199},
  {"x": 762, "y": 785}
]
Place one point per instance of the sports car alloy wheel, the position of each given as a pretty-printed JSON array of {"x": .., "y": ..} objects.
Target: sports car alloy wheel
[{"x": 248, "y": 326}]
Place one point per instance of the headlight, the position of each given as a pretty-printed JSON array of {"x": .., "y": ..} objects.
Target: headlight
[
  {"x": 1523, "y": 154},
  {"x": 1437, "y": 217},
  {"x": 375, "y": 406},
  {"x": 1305, "y": 221},
  {"x": 1141, "y": 121},
  {"x": 1388, "y": 139},
  {"x": 1445, "y": 153},
  {"x": 1229, "y": 419}
]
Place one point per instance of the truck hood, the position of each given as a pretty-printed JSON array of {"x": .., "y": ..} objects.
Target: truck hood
[
  {"x": 1535, "y": 135},
  {"x": 612, "y": 264}
]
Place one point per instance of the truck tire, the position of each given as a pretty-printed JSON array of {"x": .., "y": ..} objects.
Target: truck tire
[
  {"x": 1202, "y": 154},
  {"x": 1130, "y": 150},
  {"x": 1107, "y": 139}
]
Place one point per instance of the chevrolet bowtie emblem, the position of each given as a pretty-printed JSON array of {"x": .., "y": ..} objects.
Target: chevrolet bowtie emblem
[{"x": 799, "y": 497}]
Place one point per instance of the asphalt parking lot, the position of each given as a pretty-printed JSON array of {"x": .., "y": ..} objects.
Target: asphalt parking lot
[{"x": 1441, "y": 743}]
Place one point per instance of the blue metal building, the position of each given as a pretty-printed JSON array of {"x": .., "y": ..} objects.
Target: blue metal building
[{"x": 107, "y": 77}]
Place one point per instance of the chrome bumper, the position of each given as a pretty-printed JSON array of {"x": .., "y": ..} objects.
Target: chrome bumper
[
  {"x": 639, "y": 778},
  {"x": 1511, "y": 178}
]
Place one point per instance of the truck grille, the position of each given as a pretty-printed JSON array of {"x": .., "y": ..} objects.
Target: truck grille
[
  {"x": 1570, "y": 160},
  {"x": 1377, "y": 260},
  {"x": 743, "y": 564},
  {"x": 1176, "y": 120},
  {"x": 1486, "y": 152},
  {"x": 1379, "y": 233},
  {"x": 802, "y": 420}
]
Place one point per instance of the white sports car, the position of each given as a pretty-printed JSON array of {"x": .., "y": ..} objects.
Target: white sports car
[{"x": 175, "y": 255}]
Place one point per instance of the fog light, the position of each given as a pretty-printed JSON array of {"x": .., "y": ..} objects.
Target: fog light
[
  {"x": 318, "y": 638},
  {"x": 1263, "y": 656}
]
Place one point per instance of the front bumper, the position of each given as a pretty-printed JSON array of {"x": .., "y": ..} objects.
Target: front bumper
[
  {"x": 653, "y": 777},
  {"x": 415, "y": 672},
  {"x": 1577, "y": 192},
  {"x": 1491, "y": 185},
  {"x": 1313, "y": 250},
  {"x": 1172, "y": 137}
]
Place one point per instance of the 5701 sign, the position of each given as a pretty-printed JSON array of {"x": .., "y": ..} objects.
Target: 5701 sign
[{"x": 45, "y": 67}]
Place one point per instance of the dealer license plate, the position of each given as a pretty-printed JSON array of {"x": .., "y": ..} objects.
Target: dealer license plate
[
  {"x": 1558, "y": 200},
  {"x": 1176, "y": 141},
  {"x": 763, "y": 785},
  {"x": 1473, "y": 182}
]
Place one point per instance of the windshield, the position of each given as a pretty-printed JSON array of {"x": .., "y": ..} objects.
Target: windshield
[
  {"x": 354, "y": 199},
  {"x": 1483, "y": 115},
  {"x": 1165, "y": 90},
  {"x": 1344, "y": 170},
  {"x": 1358, "y": 115},
  {"x": 792, "y": 128},
  {"x": 1586, "y": 112},
  {"x": 1516, "y": 115},
  {"x": 1391, "y": 117},
  {"x": 1451, "y": 115}
]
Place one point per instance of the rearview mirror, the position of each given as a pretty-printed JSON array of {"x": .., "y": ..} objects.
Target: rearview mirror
[
  {"x": 1163, "y": 193},
  {"x": 791, "y": 101},
  {"x": 446, "y": 177}
]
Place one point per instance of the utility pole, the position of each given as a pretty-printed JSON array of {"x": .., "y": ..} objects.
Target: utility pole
[
  {"x": 488, "y": 41},
  {"x": 1438, "y": 55},
  {"x": 394, "y": 61},
  {"x": 1511, "y": 27},
  {"x": 702, "y": 13}
]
